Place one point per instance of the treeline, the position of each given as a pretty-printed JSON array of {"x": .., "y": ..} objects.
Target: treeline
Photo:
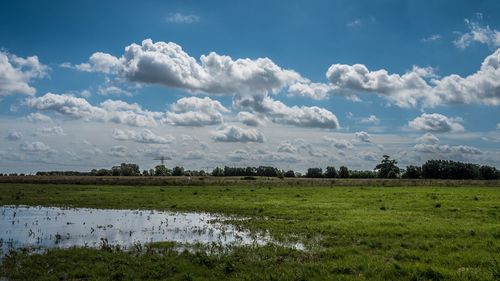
[
  {"x": 444, "y": 169},
  {"x": 387, "y": 168}
]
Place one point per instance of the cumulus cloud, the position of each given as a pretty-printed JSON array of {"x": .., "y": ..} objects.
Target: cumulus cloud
[
  {"x": 169, "y": 65},
  {"x": 14, "y": 135},
  {"x": 100, "y": 62},
  {"x": 38, "y": 118},
  {"x": 421, "y": 85},
  {"x": 36, "y": 147},
  {"x": 239, "y": 155},
  {"x": 143, "y": 136},
  {"x": 339, "y": 143},
  {"x": 370, "y": 119},
  {"x": 478, "y": 33},
  {"x": 445, "y": 149},
  {"x": 287, "y": 147},
  {"x": 317, "y": 91},
  {"x": 110, "y": 110},
  {"x": 278, "y": 112},
  {"x": 403, "y": 90},
  {"x": 498, "y": 126},
  {"x": 436, "y": 122},
  {"x": 247, "y": 80},
  {"x": 428, "y": 138},
  {"x": 363, "y": 136},
  {"x": 194, "y": 111},
  {"x": 76, "y": 108},
  {"x": 16, "y": 74},
  {"x": 182, "y": 18},
  {"x": 130, "y": 113},
  {"x": 50, "y": 131},
  {"x": 249, "y": 119},
  {"x": 429, "y": 143},
  {"x": 113, "y": 90},
  {"x": 237, "y": 134}
]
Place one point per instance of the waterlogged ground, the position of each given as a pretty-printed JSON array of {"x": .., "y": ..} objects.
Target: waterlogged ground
[
  {"x": 349, "y": 233},
  {"x": 48, "y": 227}
]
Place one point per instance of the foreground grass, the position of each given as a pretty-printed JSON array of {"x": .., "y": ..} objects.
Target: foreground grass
[{"x": 375, "y": 233}]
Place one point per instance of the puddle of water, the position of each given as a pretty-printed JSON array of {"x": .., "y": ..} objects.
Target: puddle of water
[{"x": 48, "y": 227}]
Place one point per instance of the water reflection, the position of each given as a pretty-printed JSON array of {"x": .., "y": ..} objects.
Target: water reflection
[{"x": 22, "y": 226}]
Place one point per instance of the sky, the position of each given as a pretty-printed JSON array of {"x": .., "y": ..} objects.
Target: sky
[{"x": 295, "y": 84}]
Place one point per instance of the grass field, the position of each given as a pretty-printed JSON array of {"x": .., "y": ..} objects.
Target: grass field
[{"x": 350, "y": 233}]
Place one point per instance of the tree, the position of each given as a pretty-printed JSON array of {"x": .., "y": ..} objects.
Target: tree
[
  {"x": 217, "y": 172},
  {"x": 289, "y": 174},
  {"x": 343, "y": 172},
  {"x": 129, "y": 169},
  {"x": 330, "y": 172},
  {"x": 314, "y": 173},
  {"x": 160, "y": 171},
  {"x": 412, "y": 172},
  {"x": 489, "y": 173},
  {"x": 387, "y": 168},
  {"x": 177, "y": 171}
]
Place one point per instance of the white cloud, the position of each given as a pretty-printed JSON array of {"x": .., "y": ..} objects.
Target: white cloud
[
  {"x": 278, "y": 112},
  {"x": 249, "y": 119},
  {"x": 363, "y": 136},
  {"x": 287, "y": 147},
  {"x": 50, "y": 131},
  {"x": 433, "y": 37},
  {"x": 14, "y": 135},
  {"x": 339, "y": 143},
  {"x": 368, "y": 156},
  {"x": 403, "y": 90},
  {"x": 16, "y": 73},
  {"x": 239, "y": 155},
  {"x": 421, "y": 85},
  {"x": 478, "y": 33},
  {"x": 481, "y": 87},
  {"x": 446, "y": 149},
  {"x": 194, "y": 111},
  {"x": 498, "y": 126},
  {"x": 38, "y": 118},
  {"x": 118, "y": 151},
  {"x": 143, "y": 136},
  {"x": 317, "y": 91},
  {"x": 113, "y": 90},
  {"x": 110, "y": 110},
  {"x": 182, "y": 18},
  {"x": 244, "y": 79},
  {"x": 436, "y": 122},
  {"x": 36, "y": 147},
  {"x": 428, "y": 138},
  {"x": 131, "y": 114},
  {"x": 370, "y": 119},
  {"x": 194, "y": 155},
  {"x": 428, "y": 143},
  {"x": 355, "y": 23},
  {"x": 100, "y": 62},
  {"x": 167, "y": 64},
  {"x": 237, "y": 134},
  {"x": 76, "y": 108}
]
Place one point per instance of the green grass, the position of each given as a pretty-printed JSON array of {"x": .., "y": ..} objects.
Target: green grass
[{"x": 352, "y": 233}]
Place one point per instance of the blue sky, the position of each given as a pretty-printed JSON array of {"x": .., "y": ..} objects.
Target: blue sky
[{"x": 301, "y": 39}]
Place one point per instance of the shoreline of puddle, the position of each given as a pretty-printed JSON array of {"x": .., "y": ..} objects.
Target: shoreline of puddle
[{"x": 63, "y": 227}]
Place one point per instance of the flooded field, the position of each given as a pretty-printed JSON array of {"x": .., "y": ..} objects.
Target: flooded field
[{"x": 66, "y": 227}]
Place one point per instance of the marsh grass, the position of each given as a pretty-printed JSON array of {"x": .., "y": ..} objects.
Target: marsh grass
[{"x": 346, "y": 233}]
